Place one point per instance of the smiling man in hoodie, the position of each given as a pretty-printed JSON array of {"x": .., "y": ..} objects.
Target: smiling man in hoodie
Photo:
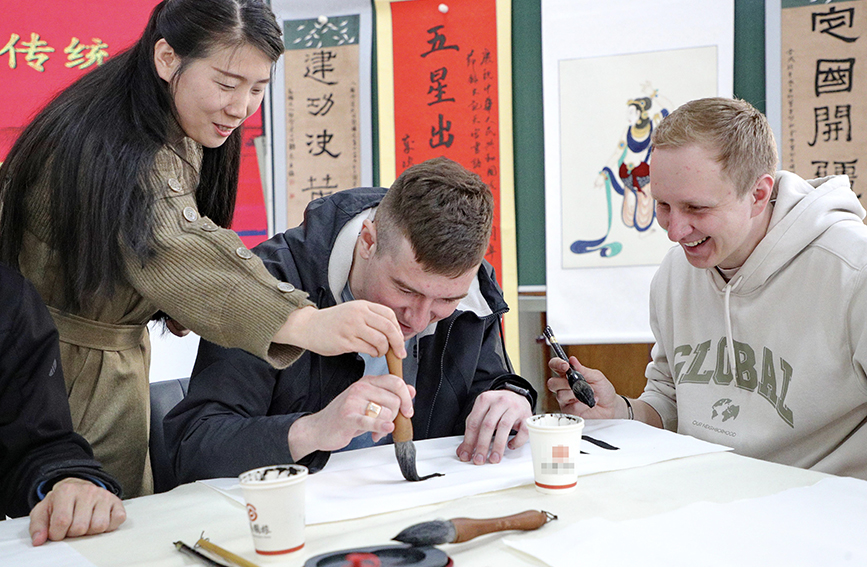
[{"x": 769, "y": 273}]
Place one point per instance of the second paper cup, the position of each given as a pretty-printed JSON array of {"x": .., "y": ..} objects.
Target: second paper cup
[{"x": 555, "y": 442}]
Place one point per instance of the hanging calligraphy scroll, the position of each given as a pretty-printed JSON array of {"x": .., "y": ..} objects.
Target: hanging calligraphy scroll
[
  {"x": 322, "y": 140},
  {"x": 607, "y": 213},
  {"x": 824, "y": 96},
  {"x": 445, "y": 90},
  {"x": 611, "y": 71}
]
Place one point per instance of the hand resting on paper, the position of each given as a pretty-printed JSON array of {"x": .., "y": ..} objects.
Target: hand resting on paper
[
  {"x": 495, "y": 414},
  {"x": 609, "y": 405},
  {"x": 354, "y": 326},
  {"x": 334, "y": 426},
  {"x": 75, "y": 507}
]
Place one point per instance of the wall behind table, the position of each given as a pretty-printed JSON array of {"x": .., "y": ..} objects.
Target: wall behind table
[{"x": 620, "y": 362}]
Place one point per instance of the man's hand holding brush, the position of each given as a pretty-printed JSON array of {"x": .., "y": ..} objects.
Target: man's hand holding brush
[
  {"x": 609, "y": 404},
  {"x": 370, "y": 404}
]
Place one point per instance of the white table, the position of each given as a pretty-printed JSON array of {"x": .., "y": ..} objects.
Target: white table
[{"x": 154, "y": 522}]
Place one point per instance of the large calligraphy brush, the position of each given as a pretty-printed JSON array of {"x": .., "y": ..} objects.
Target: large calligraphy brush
[
  {"x": 404, "y": 449},
  {"x": 458, "y": 530}
]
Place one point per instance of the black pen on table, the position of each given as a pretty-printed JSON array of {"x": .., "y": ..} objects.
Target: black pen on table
[
  {"x": 579, "y": 385},
  {"x": 184, "y": 548}
]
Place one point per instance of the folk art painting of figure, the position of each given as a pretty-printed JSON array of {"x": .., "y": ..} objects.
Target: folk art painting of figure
[
  {"x": 628, "y": 175},
  {"x": 609, "y": 108}
]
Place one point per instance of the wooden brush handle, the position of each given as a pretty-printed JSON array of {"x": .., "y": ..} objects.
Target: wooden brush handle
[
  {"x": 402, "y": 429},
  {"x": 395, "y": 365},
  {"x": 468, "y": 528},
  {"x": 402, "y": 424}
]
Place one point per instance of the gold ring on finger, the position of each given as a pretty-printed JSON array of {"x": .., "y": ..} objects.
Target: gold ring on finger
[{"x": 372, "y": 409}]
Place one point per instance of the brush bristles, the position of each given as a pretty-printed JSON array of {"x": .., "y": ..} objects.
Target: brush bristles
[
  {"x": 583, "y": 392},
  {"x": 405, "y": 453}
]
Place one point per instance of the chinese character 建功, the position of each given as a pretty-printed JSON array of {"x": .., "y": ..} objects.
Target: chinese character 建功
[
  {"x": 319, "y": 65},
  {"x": 321, "y": 104}
]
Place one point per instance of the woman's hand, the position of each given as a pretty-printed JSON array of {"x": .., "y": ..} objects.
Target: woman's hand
[{"x": 355, "y": 326}]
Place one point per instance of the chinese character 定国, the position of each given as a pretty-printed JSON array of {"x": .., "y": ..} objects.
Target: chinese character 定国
[
  {"x": 833, "y": 20},
  {"x": 834, "y": 75}
]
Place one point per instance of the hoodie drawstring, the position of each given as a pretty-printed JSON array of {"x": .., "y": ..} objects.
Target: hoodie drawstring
[{"x": 730, "y": 343}]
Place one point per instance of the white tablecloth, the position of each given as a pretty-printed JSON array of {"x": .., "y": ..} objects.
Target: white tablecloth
[{"x": 154, "y": 522}]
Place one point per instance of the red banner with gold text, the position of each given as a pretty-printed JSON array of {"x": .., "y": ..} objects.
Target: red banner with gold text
[{"x": 45, "y": 45}]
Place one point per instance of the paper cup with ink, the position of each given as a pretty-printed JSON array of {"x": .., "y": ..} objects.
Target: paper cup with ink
[
  {"x": 555, "y": 442},
  {"x": 275, "y": 507}
]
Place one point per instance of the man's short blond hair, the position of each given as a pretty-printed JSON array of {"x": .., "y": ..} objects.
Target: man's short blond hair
[{"x": 739, "y": 135}]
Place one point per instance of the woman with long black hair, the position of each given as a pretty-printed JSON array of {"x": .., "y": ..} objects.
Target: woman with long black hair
[{"x": 116, "y": 203}]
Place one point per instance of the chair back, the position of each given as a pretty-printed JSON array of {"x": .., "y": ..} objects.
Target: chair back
[{"x": 164, "y": 396}]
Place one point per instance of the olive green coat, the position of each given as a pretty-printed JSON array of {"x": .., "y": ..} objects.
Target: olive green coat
[{"x": 201, "y": 275}]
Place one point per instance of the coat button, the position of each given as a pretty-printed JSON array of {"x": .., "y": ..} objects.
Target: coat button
[
  {"x": 244, "y": 253},
  {"x": 286, "y": 287},
  {"x": 175, "y": 185},
  {"x": 210, "y": 227},
  {"x": 190, "y": 214}
]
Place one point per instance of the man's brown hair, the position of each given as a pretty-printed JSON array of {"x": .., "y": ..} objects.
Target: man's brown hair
[
  {"x": 737, "y": 133},
  {"x": 444, "y": 210}
]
